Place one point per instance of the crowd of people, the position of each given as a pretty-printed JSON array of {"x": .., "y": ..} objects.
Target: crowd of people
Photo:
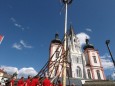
[{"x": 35, "y": 81}]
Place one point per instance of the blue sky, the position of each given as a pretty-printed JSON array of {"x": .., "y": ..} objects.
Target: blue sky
[{"x": 29, "y": 26}]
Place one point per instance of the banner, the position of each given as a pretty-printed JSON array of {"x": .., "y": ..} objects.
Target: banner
[{"x": 1, "y": 38}]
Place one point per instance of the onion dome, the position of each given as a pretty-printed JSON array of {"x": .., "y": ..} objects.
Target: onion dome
[
  {"x": 56, "y": 40},
  {"x": 87, "y": 45}
]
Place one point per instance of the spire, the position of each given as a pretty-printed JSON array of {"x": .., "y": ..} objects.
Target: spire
[
  {"x": 88, "y": 45},
  {"x": 56, "y": 40},
  {"x": 87, "y": 41},
  {"x": 71, "y": 32},
  {"x": 57, "y": 36}
]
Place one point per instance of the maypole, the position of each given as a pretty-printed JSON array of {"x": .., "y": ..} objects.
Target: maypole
[{"x": 66, "y": 2}]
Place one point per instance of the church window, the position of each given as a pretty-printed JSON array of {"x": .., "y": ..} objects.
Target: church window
[
  {"x": 57, "y": 54},
  {"x": 80, "y": 60},
  {"x": 79, "y": 73},
  {"x": 74, "y": 59},
  {"x": 77, "y": 60},
  {"x": 98, "y": 75},
  {"x": 74, "y": 40},
  {"x": 94, "y": 57},
  {"x": 70, "y": 38},
  {"x": 89, "y": 74}
]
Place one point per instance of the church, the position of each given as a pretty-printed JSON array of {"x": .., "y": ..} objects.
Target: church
[{"x": 81, "y": 63}]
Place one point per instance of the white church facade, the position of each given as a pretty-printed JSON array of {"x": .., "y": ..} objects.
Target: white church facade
[{"x": 82, "y": 63}]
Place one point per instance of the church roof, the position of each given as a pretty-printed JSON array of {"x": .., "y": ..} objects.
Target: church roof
[
  {"x": 87, "y": 45},
  {"x": 56, "y": 40},
  {"x": 71, "y": 32}
]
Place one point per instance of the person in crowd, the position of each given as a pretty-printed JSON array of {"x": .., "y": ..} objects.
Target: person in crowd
[
  {"x": 53, "y": 84},
  {"x": 35, "y": 81},
  {"x": 28, "y": 81},
  {"x": 59, "y": 83},
  {"x": 46, "y": 81},
  {"x": 7, "y": 82},
  {"x": 12, "y": 81},
  {"x": 21, "y": 82},
  {"x": 0, "y": 84}
]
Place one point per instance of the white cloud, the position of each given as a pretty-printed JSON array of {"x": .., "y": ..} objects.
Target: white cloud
[
  {"x": 12, "y": 19},
  {"x": 113, "y": 75},
  {"x": 106, "y": 62},
  {"x": 27, "y": 71},
  {"x": 106, "y": 56},
  {"x": 82, "y": 36},
  {"x": 9, "y": 69},
  {"x": 24, "y": 44},
  {"x": 21, "y": 45},
  {"x": 88, "y": 29},
  {"x": 21, "y": 72},
  {"x": 17, "y": 46},
  {"x": 17, "y": 24}
]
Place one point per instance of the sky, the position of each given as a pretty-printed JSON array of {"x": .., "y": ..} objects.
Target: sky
[{"x": 28, "y": 26}]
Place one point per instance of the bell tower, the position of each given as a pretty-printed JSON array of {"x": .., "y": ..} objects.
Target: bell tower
[
  {"x": 93, "y": 66},
  {"x": 75, "y": 55},
  {"x": 55, "y": 52}
]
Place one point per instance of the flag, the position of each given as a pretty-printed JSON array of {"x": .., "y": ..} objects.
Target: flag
[{"x": 1, "y": 38}]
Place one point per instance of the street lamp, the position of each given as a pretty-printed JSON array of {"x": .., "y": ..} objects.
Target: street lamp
[
  {"x": 107, "y": 43},
  {"x": 67, "y": 1}
]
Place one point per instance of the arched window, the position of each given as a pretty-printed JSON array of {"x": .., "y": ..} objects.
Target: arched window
[
  {"x": 80, "y": 59},
  {"x": 77, "y": 60},
  {"x": 89, "y": 74},
  {"x": 79, "y": 72},
  {"x": 57, "y": 54},
  {"x": 98, "y": 75},
  {"x": 94, "y": 58}
]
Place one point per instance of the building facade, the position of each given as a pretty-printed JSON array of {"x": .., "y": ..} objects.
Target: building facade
[
  {"x": 55, "y": 60},
  {"x": 84, "y": 64},
  {"x": 93, "y": 66},
  {"x": 75, "y": 56},
  {"x": 3, "y": 77}
]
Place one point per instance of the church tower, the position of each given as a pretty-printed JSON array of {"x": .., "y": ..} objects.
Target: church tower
[
  {"x": 55, "y": 55},
  {"x": 75, "y": 56},
  {"x": 93, "y": 66},
  {"x": 82, "y": 65}
]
